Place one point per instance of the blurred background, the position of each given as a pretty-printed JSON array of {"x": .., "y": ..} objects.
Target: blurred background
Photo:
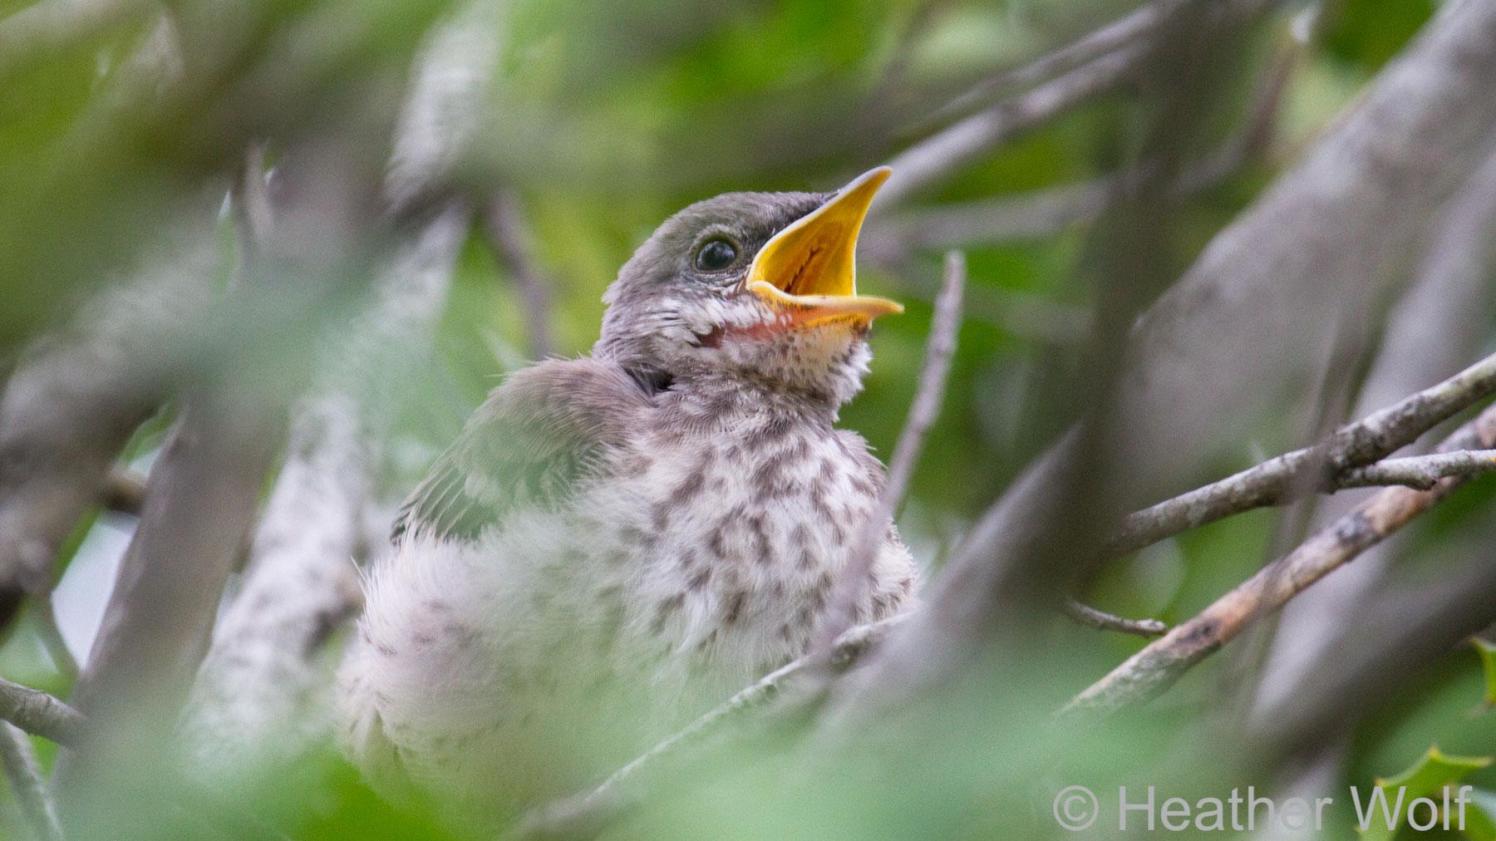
[{"x": 260, "y": 259}]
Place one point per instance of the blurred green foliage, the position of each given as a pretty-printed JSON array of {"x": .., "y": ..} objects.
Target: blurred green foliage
[{"x": 609, "y": 117}]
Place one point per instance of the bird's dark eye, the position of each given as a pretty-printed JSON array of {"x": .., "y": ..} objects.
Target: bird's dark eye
[{"x": 716, "y": 254}]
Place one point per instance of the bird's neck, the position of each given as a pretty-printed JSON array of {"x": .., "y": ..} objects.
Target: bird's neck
[{"x": 706, "y": 394}]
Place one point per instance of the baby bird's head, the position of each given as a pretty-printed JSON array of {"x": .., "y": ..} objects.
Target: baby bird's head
[{"x": 753, "y": 286}]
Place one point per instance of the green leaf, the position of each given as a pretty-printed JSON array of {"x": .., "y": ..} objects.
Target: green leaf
[
  {"x": 1434, "y": 771},
  {"x": 1480, "y": 822},
  {"x": 1487, "y": 652}
]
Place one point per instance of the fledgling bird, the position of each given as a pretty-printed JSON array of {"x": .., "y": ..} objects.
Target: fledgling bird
[{"x": 616, "y": 543}]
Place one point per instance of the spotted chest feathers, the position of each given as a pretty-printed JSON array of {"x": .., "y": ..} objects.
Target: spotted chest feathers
[
  {"x": 703, "y": 557},
  {"x": 743, "y": 515}
]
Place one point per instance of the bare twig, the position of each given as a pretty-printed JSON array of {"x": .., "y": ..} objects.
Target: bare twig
[
  {"x": 1283, "y": 479},
  {"x": 508, "y": 233},
  {"x": 608, "y": 798},
  {"x": 250, "y": 201},
  {"x": 1421, "y": 472},
  {"x": 1450, "y": 298},
  {"x": 123, "y": 491},
  {"x": 51, "y": 636},
  {"x": 852, "y": 585},
  {"x": 1103, "y": 621},
  {"x": 1118, "y": 34},
  {"x": 1157, "y": 667},
  {"x": 25, "y": 776},
  {"x": 1045, "y": 212},
  {"x": 944, "y": 153},
  {"x": 37, "y": 712}
]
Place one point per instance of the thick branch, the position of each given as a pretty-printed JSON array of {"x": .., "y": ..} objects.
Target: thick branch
[
  {"x": 37, "y": 712},
  {"x": 1319, "y": 468},
  {"x": 1156, "y": 668},
  {"x": 253, "y": 698}
]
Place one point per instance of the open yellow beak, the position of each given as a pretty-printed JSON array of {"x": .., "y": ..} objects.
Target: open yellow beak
[{"x": 809, "y": 269}]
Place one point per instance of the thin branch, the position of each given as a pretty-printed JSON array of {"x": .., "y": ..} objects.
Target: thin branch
[
  {"x": 508, "y": 234},
  {"x": 37, "y": 712},
  {"x": 1293, "y": 475},
  {"x": 1156, "y": 668},
  {"x": 939, "y": 156},
  {"x": 123, "y": 491},
  {"x": 25, "y": 775},
  {"x": 1421, "y": 472},
  {"x": 250, "y": 202},
  {"x": 852, "y": 584},
  {"x": 1117, "y": 34},
  {"x": 1045, "y": 212},
  {"x": 591, "y": 808},
  {"x": 1103, "y": 621},
  {"x": 51, "y": 636}
]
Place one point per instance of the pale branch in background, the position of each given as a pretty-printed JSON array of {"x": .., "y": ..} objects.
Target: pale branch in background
[
  {"x": 1103, "y": 621},
  {"x": 587, "y": 811},
  {"x": 948, "y": 151},
  {"x": 1421, "y": 472},
  {"x": 1326, "y": 237},
  {"x": 253, "y": 697},
  {"x": 250, "y": 202},
  {"x": 49, "y": 27},
  {"x": 75, "y": 398},
  {"x": 1156, "y": 668},
  {"x": 1283, "y": 266},
  {"x": 852, "y": 583},
  {"x": 1046, "y": 212},
  {"x": 25, "y": 776},
  {"x": 37, "y": 712},
  {"x": 1319, "y": 468},
  {"x": 1137, "y": 25},
  {"x": 1450, "y": 297}
]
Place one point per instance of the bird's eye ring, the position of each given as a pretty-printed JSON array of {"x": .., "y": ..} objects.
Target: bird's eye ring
[{"x": 716, "y": 254}]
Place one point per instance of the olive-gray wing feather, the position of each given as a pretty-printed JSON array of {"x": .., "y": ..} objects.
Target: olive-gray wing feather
[{"x": 539, "y": 437}]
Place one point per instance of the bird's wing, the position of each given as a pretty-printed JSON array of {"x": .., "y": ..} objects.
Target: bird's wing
[{"x": 539, "y": 436}]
